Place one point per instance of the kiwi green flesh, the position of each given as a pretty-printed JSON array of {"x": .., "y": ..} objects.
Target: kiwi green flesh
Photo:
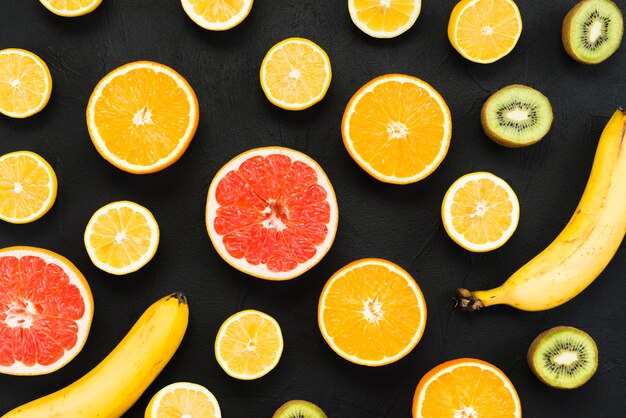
[
  {"x": 595, "y": 30},
  {"x": 564, "y": 357},
  {"x": 517, "y": 116},
  {"x": 299, "y": 409}
]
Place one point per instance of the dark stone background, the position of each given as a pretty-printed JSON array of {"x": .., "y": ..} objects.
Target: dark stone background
[{"x": 398, "y": 223}]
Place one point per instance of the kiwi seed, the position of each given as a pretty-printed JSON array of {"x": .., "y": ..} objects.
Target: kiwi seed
[
  {"x": 299, "y": 409},
  {"x": 563, "y": 357}
]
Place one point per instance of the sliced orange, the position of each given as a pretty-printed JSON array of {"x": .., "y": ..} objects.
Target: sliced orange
[
  {"x": 480, "y": 212},
  {"x": 371, "y": 312},
  {"x": 397, "y": 128},
  {"x": 295, "y": 74},
  {"x": 28, "y": 187},
  {"x": 217, "y": 14},
  {"x": 25, "y": 83},
  {"x": 384, "y": 18},
  {"x": 249, "y": 345},
  {"x": 142, "y": 116},
  {"x": 484, "y": 31},
  {"x": 181, "y": 400},
  {"x": 71, "y": 8},
  {"x": 466, "y": 388},
  {"x": 121, "y": 237}
]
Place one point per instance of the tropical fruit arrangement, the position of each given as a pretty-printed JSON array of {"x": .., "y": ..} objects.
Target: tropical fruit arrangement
[{"x": 272, "y": 213}]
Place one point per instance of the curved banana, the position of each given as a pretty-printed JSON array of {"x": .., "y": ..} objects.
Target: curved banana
[
  {"x": 115, "y": 384},
  {"x": 586, "y": 245}
]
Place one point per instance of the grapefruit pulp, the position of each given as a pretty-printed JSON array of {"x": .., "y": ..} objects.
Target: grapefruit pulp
[
  {"x": 272, "y": 213},
  {"x": 46, "y": 308}
]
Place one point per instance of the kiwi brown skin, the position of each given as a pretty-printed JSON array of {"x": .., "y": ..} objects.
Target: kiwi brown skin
[
  {"x": 310, "y": 405},
  {"x": 567, "y": 27},
  {"x": 533, "y": 348},
  {"x": 493, "y": 135}
]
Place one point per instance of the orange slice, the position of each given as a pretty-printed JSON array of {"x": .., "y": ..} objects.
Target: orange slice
[
  {"x": 142, "y": 116},
  {"x": 183, "y": 399},
  {"x": 28, "y": 187},
  {"x": 384, "y": 18},
  {"x": 272, "y": 213},
  {"x": 71, "y": 8},
  {"x": 397, "y": 128},
  {"x": 466, "y": 388},
  {"x": 217, "y": 14},
  {"x": 249, "y": 345},
  {"x": 371, "y": 312},
  {"x": 121, "y": 237},
  {"x": 46, "y": 308},
  {"x": 295, "y": 74},
  {"x": 484, "y": 31},
  {"x": 25, "y": 83},
  {"x": 480, "y": 212}
]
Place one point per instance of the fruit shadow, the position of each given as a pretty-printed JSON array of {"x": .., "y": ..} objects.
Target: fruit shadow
[{"x": 80, "y": 25}]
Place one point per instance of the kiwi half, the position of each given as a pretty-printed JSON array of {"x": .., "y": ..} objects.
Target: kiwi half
[
  {"x": 563, "y": 357},
  {"x": 593, "y": 30},
  {"x": 516, "y": 116},
  {"x": 299, "y": 409}
]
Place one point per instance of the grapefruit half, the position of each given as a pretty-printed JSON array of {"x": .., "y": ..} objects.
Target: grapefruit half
[
  {"x": 272, "y": 213},
  {"x": 46, "y": 308}
]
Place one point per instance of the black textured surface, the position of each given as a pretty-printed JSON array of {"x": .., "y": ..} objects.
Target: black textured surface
[{"x": 401, "y": 224}]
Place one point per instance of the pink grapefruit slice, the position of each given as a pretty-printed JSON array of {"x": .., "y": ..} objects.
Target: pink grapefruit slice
[
  {"x": 46, "y": 308},
  {"x": 272, "y": 213}
]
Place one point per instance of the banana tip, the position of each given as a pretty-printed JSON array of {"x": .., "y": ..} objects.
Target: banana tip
[
  {"x": 181, "y": 297},
  {"x": 466, "y": 301}
]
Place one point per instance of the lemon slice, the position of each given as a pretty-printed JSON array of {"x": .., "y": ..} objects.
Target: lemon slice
[
  {"x": 384, "y": 18},
  {"x": 28, "y": 187},
  {"x": 183, "y": 399},
  {"x": 295, "y": 74},
  {"x": 121, "y": 237},
  {"x": 25, "y": 83},
  {"x": 71, "y": 8},
  {"x": 217, "y": 14}
]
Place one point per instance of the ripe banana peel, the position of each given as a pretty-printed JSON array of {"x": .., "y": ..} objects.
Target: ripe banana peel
[
  {"x": 114, "y": 385},
  {"x": 585, "y": 246}
]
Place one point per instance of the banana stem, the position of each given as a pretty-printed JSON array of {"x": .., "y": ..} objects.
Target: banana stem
[{"x": 467, "y": 301}]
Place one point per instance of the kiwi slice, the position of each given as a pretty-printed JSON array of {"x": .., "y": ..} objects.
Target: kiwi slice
[
  {"x": 593, "y": 30},
  {"x": 516, "y": 116},
  {"x": 299, "y": 409},
  {"x": 563, "y": 357}
]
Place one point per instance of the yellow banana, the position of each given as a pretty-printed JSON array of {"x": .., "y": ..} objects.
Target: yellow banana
[
  {"x": 586, "y": 245},
  {"x": 115, "y": 384}
]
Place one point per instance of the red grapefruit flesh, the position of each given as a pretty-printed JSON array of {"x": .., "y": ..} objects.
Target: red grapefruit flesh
[
  {"x": 46, "y": 308},
  {"x": 272, "y": 213}
]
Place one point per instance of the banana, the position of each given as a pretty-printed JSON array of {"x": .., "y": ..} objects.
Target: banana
[
  {"x": 585, "y": 246},
  {"x": 115, "y": 384}
]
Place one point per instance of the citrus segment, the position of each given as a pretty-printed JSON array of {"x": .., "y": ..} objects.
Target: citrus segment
[
  {"x": 46, "y": 308},
  {"x": 217, "y": 14},
  {"x": 249, "y": 345},
  {"x": 371, "y": 312},
  {"x": 466, "y": 388},
  {"x": 272, "y": 213},
  {"x": 484, "y": 31},
  {"x": 384, "y": 18},
  {"x": 71, "y": 8},
  {"x": 142, "y": 117},
  {"x": 28, "y": 187},
  {"x": 397, "y": 128},
  {"x": 295, "y": 74},
  {"x": 480, "y": 212},
  {"x": 121, "y": 237},
  {"x": 25, "y": 83},
  {"x": 183, "y": 399}
]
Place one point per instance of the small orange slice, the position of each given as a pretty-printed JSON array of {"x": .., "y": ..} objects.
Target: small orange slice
[
  {"x": 397, "y": 128},
  {"x": 142, "y": 116},
  {"x": 480, "y": 212},
  {"x": 249, "y": 345},
  {"x": 25, "y": 83},
  {"x": 295, "y": 74},
  {"x": 371, "y": 312},
  {"x": 384, "y": 18},
  {"x": 71, "y": 8},
  {"x": 182, "y": 400},
  {"x": 484, "y": 31},
  {"x": 217, "y": 14},
  {"x": 467, "y": 388}
]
